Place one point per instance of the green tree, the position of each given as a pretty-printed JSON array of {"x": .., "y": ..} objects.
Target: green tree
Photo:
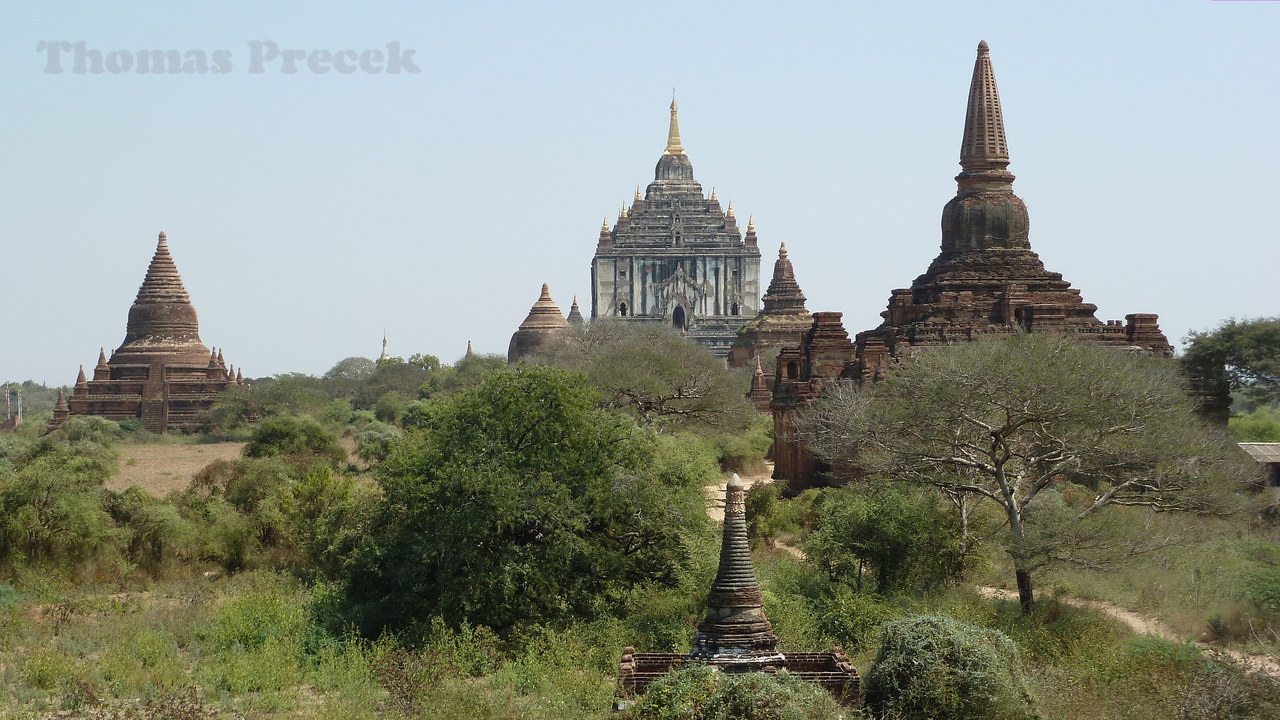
[
  {"x": 936, "y": 668},
  {"x": 1262, "y": 424},
  {"x": 1243, "y": 354},
  {"x": 656, "y": 376},
  {"x": 286, "y": 435},
  {"x": 521, "y": 503},
  {"x": 898, "y": 534},
  {"x": 1052, "y": 431}
]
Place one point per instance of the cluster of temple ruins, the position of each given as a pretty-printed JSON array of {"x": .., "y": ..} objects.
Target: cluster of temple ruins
[{"x": 675, "y": 257}]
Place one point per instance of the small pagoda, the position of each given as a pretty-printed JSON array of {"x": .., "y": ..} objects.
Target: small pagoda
[
  {"x": 162, "y": 374},
  {"x": 543, "y": 323},
  {"x": 782, "y": 320},
  {"x": 735, "y": 636}
]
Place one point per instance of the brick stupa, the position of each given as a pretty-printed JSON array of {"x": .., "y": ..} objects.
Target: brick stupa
[
  {"x": 736, "y": 636},
  {"x": 986, "y": 280},
  {"x": 162, "y": 374},
  {"x": 781, "y": 322},
  {"x": 543, "y": 323}
]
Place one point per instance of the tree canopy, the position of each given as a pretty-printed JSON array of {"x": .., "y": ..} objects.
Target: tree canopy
[
  {"x": 520, "y": 502},
  {"x": 1243, "y": 354},
  {"x": 1049, "y": 430},
  {"x": 655, "y": 375}
]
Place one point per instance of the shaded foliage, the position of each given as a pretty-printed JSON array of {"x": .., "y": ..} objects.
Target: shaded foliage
[
  {"x": 522, "y": 502},
  {"x": 1242, "y": 354}
]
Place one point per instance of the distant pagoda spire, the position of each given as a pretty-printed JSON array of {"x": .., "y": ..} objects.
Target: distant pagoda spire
[
  {"x": 575, "y": 313},
  {"x": 384, "y": 354},
  {"x": 60, "y": 413},
  {"x": 984, "y": 147},
  {"x": 735, "y": 622},
  {"x": 470, "y": 352},
  {"x": 784, "y": 292},
  {"x": 673, "y": 132}
]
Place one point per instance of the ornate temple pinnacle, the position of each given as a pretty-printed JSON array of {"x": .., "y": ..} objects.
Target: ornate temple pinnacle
[
  {"x": 673, "y": 133},
  {"x": 735, "y": 622},
  {"x": 984, "y": 147}
]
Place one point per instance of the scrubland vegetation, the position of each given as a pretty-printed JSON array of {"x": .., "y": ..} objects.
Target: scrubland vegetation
[{"x": 497, "y": 536}]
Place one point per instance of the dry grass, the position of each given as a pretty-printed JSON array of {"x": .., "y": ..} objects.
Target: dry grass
[{"x": 162, "y": 469}]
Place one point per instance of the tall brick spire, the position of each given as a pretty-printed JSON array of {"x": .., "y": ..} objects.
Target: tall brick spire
[
  {"x": 985, "y": 214},
  {"x": 735, "y": 622},
  {"x": 162, "y": 319},
  {"x": 984, "y": 146}
]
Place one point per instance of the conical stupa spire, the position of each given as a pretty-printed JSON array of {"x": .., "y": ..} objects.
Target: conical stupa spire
[
  {"x": 61, "y": 405},
  {"x": 162, "y": 321},
  {"x": 984, "y": 146},
  {"x": 162, "y": 283},
  {"x": 544, "y": 313},
  {"x": 673, "y": 133},
  {"x": 470, "y": 352},
  {"x": 575, "y": 313},
  {"x": 735, "y": 622},
  {"x": 784, "y": 292}
]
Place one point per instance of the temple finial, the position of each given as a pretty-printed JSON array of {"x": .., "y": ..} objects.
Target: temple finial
[
  {"x": 751, "y": 223},
  {"x": 673, "y": 132},
  {"x": 984, "y": 147}
]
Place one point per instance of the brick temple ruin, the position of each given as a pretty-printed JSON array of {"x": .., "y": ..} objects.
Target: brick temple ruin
[
  {"x": 985, "y": 280},
  {"x": 162, "y": 374},
  {"x": 736, "y": 636},
  {"x": 674, "y": 257}
]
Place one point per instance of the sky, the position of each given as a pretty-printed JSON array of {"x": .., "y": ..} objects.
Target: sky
[{"x": 311, "y": 212}]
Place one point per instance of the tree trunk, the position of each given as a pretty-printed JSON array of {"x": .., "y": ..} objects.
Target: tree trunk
[{"x": 1026, "y": 596}]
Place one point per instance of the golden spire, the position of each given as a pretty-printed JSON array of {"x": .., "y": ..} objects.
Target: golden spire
[
  {"x": 751, "y": 223},
  {"x": 729, "y": 211},
  {"x": 638, "y": 193},
  {"x": 713, "y": 192},
  {"x": 673, "y": 133},
  {"x": 604, "y": 226}
]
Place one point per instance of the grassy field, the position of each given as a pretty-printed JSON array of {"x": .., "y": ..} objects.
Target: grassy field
[{"x": 162, "y": 469}]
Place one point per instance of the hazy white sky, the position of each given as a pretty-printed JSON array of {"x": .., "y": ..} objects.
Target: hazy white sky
[{"x": 308, "y": 212}]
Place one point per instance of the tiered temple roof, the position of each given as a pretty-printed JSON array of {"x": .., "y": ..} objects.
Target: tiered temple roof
[
  {"x": 543, "y": 323},
  {"x": 162, "y": 374},
  {"x": 676, "y": 257}
]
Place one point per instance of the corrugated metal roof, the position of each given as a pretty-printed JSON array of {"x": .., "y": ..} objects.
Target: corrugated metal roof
[{"x": 1263, "y": 452}]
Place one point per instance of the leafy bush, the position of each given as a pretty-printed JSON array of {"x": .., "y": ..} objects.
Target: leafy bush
[
  {"x": 702, "y": 692},
  {"x": 936, "y": 668},
  {"x": 287, "y": 435},
  {"x": 903, "y": 536},
  {"x": 523, "y": 503}
]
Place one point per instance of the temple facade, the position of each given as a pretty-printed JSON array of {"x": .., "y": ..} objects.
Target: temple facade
[
  {"x": 675, "y": 257},
  {"x": 162, "y": 374},
  {"x": 986, "y": 279},
  {"x": 736, "y": 635},
  {"x": 543, "y": 324}
]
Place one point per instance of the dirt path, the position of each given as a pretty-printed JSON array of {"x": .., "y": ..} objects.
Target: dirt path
[
  {"x": 162, "y": 469},
  {"x": 715, "y": 491},
  {"x": 1143, "y": 625}
]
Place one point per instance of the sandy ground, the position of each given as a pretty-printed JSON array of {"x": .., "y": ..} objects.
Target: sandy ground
[
  {"x": 162, "y": 469},
  {"x": 715, "y": 492}
]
